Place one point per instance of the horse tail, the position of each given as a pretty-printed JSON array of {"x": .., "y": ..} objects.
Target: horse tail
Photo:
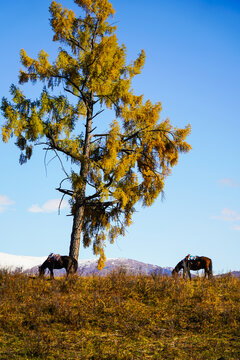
[
  {"x": 75, "y": 265},
  {"x": 210, "y": 268}
]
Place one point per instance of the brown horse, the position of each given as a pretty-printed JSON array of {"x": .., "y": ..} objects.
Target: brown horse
[
  {"x": 58, "y": 262},
  {"x": 201, "y": 262}
]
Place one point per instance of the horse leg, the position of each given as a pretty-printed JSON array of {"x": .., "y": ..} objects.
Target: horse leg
[
  {"x": 185, "y": 269},
  {"x": 51, "y": 273},
  {"x": 68, "y": 268},
  {"x": 206, "y": 273}
]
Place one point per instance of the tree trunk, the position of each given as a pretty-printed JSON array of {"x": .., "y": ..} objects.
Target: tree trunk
[
  {"x": 78, "y": 215},
  {"x": 76, "y": 231}
]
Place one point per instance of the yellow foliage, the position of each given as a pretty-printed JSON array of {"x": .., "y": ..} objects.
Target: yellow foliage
[
  {"x": 102, "y": 9},
  {"x": 6, "y": 132},
  {"x": 62, "y": 21},
  {"x": 113, "y": 171}
]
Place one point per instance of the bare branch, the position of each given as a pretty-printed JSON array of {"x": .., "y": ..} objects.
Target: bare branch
[
  {"x": 59, "y": 206},
  {"x": 99, "y": 112},
  {"x": 65, "y": 191},
  {"x": 71, "y": 92},
  {"x": 100, "y": 135},
  {"x": 45, "y": 158},
  {"x": 67, "y": 178},
  {"x": 61, "y": 163},
  {"x": 92, "y": 130}
]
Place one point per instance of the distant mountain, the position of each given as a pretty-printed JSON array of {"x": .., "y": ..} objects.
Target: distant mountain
[
  {"x": 15, "y": 262},
  {"x": 230, "y": 273},
  {"x": 235, "y": 273},
  {"x": 30, "y": 264},
  {"x": 89, "y": 267},
  {"x": 128, "y": 265}
]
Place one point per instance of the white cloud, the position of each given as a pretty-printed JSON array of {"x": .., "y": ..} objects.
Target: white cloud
[
  {"x": 5, "y": 202},
  {"x": 48, "y": 207},
  {"x": 228, "y": 182},
  {"x": 228, "y": 215},
  {"x": 35, "y": 209},
  {"x": 236, "y": 227}
]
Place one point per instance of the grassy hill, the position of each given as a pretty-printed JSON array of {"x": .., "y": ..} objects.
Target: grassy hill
[{"x": 119, "y": 316}]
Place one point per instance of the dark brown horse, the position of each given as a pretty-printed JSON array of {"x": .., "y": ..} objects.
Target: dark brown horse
[
  {"x": 58, "y": 262},
  {"x": 201, "y": 262}
]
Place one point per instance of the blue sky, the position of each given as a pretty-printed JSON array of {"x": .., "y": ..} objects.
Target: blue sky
[{"x": 192, "y": 67}]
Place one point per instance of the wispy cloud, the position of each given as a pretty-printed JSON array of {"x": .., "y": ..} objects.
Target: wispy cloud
[
  {"x": 5, "y": 202},
  {"x": 230, "y": 216},
  {"x": 228, "y": 182},
  {"x": 48, "y": 207}
]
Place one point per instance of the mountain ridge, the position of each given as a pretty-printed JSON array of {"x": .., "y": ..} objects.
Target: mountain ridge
[{"x": 29, "y": 265}]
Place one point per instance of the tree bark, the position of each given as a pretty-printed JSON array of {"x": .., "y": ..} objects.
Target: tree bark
[
  {"x": 76, "y": 231},
  {"x": 78, "y": 215}
]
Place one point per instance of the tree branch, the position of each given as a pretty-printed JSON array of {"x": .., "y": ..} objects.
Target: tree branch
[
  {"x": 54, "y": 146},
  {"x": 100, "y": 135},
  {"x": 97, "y": 113},
  {"x": 65, "y": 191},
  {"x": 59, "y": 207},
  {"x": 71, "y": 92},
  {"x": 76, "y": 43}
]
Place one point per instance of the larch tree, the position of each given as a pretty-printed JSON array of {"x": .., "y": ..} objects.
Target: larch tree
[{"x": 111, "y": 171}]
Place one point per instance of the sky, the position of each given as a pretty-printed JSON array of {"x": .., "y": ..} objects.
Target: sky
[{"x": 192, "y": 67}]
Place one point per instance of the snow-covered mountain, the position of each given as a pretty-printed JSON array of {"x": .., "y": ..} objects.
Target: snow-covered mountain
[
  {"x": 131, "y": 266},
  {"x": 14, "y": 262},
  {"x": 29, "y": 264}
]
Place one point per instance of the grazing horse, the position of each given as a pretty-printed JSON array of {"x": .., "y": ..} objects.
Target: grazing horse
[
  {"x": 58, "y": 262},
  {"x": 201, "y": 262}
]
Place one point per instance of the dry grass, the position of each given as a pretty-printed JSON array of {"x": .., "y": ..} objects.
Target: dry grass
[{"x": 119, "y": 316}]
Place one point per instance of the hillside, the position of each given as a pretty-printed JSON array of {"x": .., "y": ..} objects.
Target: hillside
[{"x": 119, "y": 316}]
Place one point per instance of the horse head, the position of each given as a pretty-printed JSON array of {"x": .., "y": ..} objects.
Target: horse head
[
  {"x": 177, "y": 268},
  {"x": 43, "y": 267},
  {"x": 174, "y": 272}
]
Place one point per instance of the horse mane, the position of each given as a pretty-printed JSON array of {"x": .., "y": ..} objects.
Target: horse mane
[
  {"x": 43, "y": 267},
  {"x": 179, "y": 265},
  {"x": 44, "y": 264}
]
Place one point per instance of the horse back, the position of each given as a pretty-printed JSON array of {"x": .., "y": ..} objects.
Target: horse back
[
  {"x": 70, "y": 262},
  {"x": 202, "y": 262},
  {"x": 206, "y": 260}
]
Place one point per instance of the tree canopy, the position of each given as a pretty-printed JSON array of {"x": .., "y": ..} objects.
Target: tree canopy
[{"x": 111, "y": 171}]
